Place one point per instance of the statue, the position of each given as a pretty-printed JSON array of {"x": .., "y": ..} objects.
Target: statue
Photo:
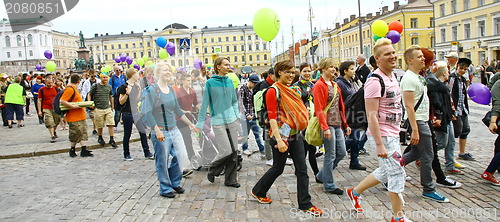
[
  {"x": 82, "y": 40},
  {"x": 80, "y": 64},
  {"x": 91, "y": 63}
]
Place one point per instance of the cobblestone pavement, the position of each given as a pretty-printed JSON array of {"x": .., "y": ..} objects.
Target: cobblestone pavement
[{"x": 107, "y": 188}]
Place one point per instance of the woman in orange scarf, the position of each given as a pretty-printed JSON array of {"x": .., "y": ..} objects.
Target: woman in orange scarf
[{"x": 287, "y": 117}]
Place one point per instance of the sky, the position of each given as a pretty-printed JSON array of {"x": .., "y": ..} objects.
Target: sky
[{"x": 115, "y": 16}]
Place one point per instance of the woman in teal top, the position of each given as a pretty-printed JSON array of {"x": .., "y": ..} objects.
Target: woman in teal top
[
  {"x": 14, "y": 101},
  {"x": 220, "y": 95}
]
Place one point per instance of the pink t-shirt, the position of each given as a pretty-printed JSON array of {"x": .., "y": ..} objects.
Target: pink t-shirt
[{"x": 390, "y": 108}]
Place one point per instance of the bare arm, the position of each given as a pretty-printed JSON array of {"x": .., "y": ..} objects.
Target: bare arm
[
  {"x": 39, "y": 105},
  {"x": 408, "y": 97},
  {"x": 371, "y": 106},
  {"x": 69, "y": 105},
  {"x": 111, "y": 100}
]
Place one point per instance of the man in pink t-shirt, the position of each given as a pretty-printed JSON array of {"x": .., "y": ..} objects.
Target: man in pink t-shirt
[{"x": 384, "y": 116}]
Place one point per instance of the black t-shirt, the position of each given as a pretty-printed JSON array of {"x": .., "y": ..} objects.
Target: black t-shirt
[{"x": 133, "y": 98}]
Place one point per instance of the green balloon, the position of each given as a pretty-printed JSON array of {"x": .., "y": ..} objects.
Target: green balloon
[
  {"x": 163, "y": 54},
  {"x": 140, "y": 61},
  {"x": 266, "y": 24},
  {"x": 150, "y": 63},
  {"x": 376, "y": 37},
  {"x": 51, "y": 66},
  {"x": 145, "y": 58}
]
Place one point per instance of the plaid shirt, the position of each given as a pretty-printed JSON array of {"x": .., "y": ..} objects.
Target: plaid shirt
[
  {"x": 461, "y": 109},
  {"x": 246, "y": 101}
]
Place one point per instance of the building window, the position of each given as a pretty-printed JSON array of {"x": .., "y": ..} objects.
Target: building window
[
  {"x": 249, "y": 37},
  {"x": 197, "y": 51},
  {"x": 196, "y": 41},
  {"x": 265, "y": 57},
  {"x": 442, "y": 10},
  {"x": 212, "y": 40},
  {"x": 205, "y": 50},
  {"x": 227, "y": 48},
  {"x": 20, "y": 54},
  {"x": 119, "y": 46},
  {"x": 46, "y": 42},
  {"x": 31, "y": 52},
  {"x": 432, "y": 41},
  {"x": 235, "y": 59},
  {"x": 242, "y": 38},
  {"x": 105, "y": 47},
  {"x": 149, "y": 44},
  {"x": 467, "y": 31},
  {"x": 414, "y": 23},
  {"x": 242, "y": 47},
  {"x": 414, "y": 40},
  {"x": 113, "y": 56},
  {"x": 234, "y": 38},
  {"x": 256, "y": 37},
  {"x": 8, "y": 54},
  {"x": 443, "y": 35},
  {"x": 149, "y": 54},
  {"x": 257, "y": 46},
  {"x": 180, "y": 62},
  {"x": 480, "y": 2},
  {"x": 227, "y": 38},
  {"x": 235, "y": 48},
  {"x": 133, "y": 45},
  {"x": 126, "y": 46},
  {"x": 467, "y": 55},
  {"x": 496, "y": 23},
  {"x": 249, "y": 47},
  {"x": 206, "y": 60},
  {"x": 142, "y": 54},
  {"x": 7, "y": 41},
  {"x": 431, "y": 23},
  {"x": 453, "y": 6},
  {"x": 220, "y": 39},
  {"x": 172, "y": 62},
  {"x": 243, "y": 58},
  {"x": 112, "y": 46},
  {"x": 466, "y": 5},
  {"x": 481, "y": 28},
  {"x": 204, "y": 40},
  {"x": 258, "y": 57},
  {"x": 30, "y": 40},
  {"x": 454, "y": 33},
  {"x": 264, "y": 45},
  {"x": 141, "y": 44},
  {"x": 135, "y": 54},
  {"x": 18, "y": 38},
  {"x": 250, "y": 58}
]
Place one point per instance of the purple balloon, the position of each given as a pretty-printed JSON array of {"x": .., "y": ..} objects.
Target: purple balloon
[
  {"x": 123, "y": 58},
  {"x": 137, "y": 66},
  {"x": 118, "y": 59},
  {"x": 48, "y": 54},
  {"x": 394, "y": 36},
  {"x": 170, "y": 48},
  {"x": 129, "y": 60},
  {"x": 197, "y": 63},
  {"x": 38, "y": 67},
  {"x": 480, "y": 93}
]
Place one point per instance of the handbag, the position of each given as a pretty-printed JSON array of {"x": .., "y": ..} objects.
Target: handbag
[
  {"x": 313, "y": 130},
  {"x": 29, "y": 95},
  {"x": 487, "y": 119},
  {"x": 406, "y": 126}
]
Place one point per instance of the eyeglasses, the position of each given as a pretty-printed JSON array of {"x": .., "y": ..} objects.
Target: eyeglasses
[{"x": 289, "y": 72}]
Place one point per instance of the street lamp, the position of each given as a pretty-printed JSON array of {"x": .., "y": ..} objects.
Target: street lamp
[{"x": 310, "y": 27}]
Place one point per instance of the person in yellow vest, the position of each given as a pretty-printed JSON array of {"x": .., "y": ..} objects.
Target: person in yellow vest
[{"x": 14, "y": 101}]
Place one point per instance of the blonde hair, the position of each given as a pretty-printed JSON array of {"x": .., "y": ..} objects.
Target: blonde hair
[
  {"x": 381, "y": 42},
  {"x": 409, "y": 53},
  {"x": 148, "y": 70},
  {"x": 159, "y": 66},
  {"x": 442, "y": 68},
  {"x": 131, "y": 72},
  {"x": 325, "y": 63}
]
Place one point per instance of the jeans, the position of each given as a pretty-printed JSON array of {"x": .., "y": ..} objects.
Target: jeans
[
  {"x": 446, "y": 140},
  {"x": 355, "y": 142},
  {"x": 436, "y": 166},
  {"x": 296, "y": 150},
  {"x": 118, "y": 113},
  {"x": 334, "y": 152},
  {"x": 495, "y": 162},
  {"x": 128, "y": 122},
  {"x": 423, "y": 151},
  {"x": 311, "y": 151},
  {"x": 227, "y": 158},
  {"x": 252, "y": 125},
  {"x": 27, "y": 105},
  {"x": 267, "y": 146},
  {"x": 169, "y": 174},
  {"x": 14, "y": 108}
]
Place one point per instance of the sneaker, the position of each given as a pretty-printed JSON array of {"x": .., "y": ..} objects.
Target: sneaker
[
  {"x": 53, "y": 139},
  {"x": 317, "y": 180},
  {"x": 115, "y": 129},
  {"x": 458, "y": 165},
  {"x": 363, "y": 152},
  {"x": 72, "y": 153},
  {"x": 186, "y": 173},
  {"x": 402, "y": 219},
  {"x": 150, "y": 156},
  {"x": 128, "y": 158},
  {"x": 113, "y": 143},
  {"x": 168, "y": 195},
  {"x": 449, "y": 183},
  {"x": 314, "y": 211},
  {"x": 454, "y": 171},
  {"x": 355, "y": 200},
  {"x": 100, "y": 140},
  {"x": 86, "y": 153},
  {"x": 211, "y": 178},
  {"x": 94, "y": 132},
  {"x": 269, "y": 162},
  {"x": 179, "y": 190},
  {"x": 247, "y": 152},
  {"x": 489, "y": 177},
  {"x": 407, "y": 178},
  {"x": 336, "y": 191},
  {"x": 289, "y": 161},
  {"x": 262, "y": 200},
  {"x": 466, "y": 156},
  {"x": 436, "y": 197},
  {"x": 357, "y": 167}
]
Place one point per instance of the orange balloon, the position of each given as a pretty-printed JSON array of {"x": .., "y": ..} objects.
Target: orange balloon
[{"x": 396, "y": 26}]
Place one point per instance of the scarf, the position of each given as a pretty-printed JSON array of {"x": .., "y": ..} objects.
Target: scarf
[
  {"x": 304, "y": 81},
  {"x": 292, "y": 110}
]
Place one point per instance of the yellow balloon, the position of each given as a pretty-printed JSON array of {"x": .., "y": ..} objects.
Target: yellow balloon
[
  {"x": 266, "y": 24},
  {"x": 380, "y": 28},
  {"x": 51, "y": 66},
  {"x": 140, "y": 61}
]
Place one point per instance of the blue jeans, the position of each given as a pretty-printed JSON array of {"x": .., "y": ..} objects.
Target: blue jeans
[
  {"x": 355, "y": 142},
  {"x": 169, "y": 175},
  {"x": 446, "y": 140},
  {"x": 252, "y": 125},
  {"x": 128, "y": 122},
  {"x": 334, "y": 152}
]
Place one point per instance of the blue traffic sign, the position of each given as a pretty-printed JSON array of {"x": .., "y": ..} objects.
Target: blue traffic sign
[{"x": 185, "y": 43}]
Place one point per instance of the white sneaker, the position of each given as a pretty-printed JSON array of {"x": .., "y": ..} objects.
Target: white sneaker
[
  {"x": 269, "y": 162},
  {"x": 247, "y": 152},
  {"x": 408, "y": 178},
  {"x": 289, "y": 161}
]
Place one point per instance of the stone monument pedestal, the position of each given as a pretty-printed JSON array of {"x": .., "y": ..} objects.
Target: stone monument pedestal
[{"x": 84, "y": 54}]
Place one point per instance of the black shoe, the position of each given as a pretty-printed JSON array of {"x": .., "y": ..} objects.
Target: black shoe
[
  {"x": 94, "y": 132},
  {"x": 186, "y": 173},
  {"x": 317, "y": 180},
  {"x": 149, "y": 156},
  {"x": 179, "y": 190},
  {"x": 55, "y": 134},
  {"x": 210, "y": 177},
  {"x": 86, "y": 153},
  {"x": 169, "y": 195},
  {"x": 10, "y": 126},
  {"x": 236, "y": 185},
  {"x": 72, "y": 153},
  {"x": 112, "y": 143},
  {"x": 100, "y": 140},
  {"x": 53, "y": 139},
  {"x": 40, "y": 121},
  {"x": 357, "y": 167},
  {"x": 336, "y": 191}
]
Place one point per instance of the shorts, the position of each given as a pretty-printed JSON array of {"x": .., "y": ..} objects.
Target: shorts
[
  {"x": 104, "y": 117},
  {"x": 91, "y": 113},
  {"x": 390, "y": 170},
  {"x": 461, "y": 127},
  {"x": 51, "y": 118},
  {"x": 78, "y": 131}
]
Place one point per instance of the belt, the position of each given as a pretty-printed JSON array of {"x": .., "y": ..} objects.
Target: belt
[{"x": 167, "y": 128}]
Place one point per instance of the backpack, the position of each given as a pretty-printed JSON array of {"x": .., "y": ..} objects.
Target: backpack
[
  {"x": 144, "y": 94},
  {"x": 355, "y": 106},
  {"x": 259, "y": 104},
  {"x": 56, "y": 102}
]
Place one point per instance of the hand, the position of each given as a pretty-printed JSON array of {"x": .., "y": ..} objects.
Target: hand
[
  {"x": 348, "y": 131},
  {"x": 414, "y": 137},
  {"x": 40, "y": 114},
  {"x": 282, "y": 146},
  {"x": 196, "y": 130},
  {"x": 493, "y": 128},
  {"x": 193, "y": 128},
  {"x": 187, "y": 112},
  {"x": 249, "y": 117},
  {"x": 76, "y": 106},
  {"x": 453, "y": 118},
  {"x": 327, "y": 134},
  {"x": 159, "y": 135},
  {"x": 436, "y": 122},
  {"x": 381, "y": 151},
  {"x": 128, "y": 90}
]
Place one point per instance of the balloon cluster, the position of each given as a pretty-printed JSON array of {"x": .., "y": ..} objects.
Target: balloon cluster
[
  {"x": 105, "y": 69},
  {"x": 266, "y": 24},
  {"x": 50, "y": 65},
  {"x": 169, "y": 46},
  {"x": 392, "y": 31}
]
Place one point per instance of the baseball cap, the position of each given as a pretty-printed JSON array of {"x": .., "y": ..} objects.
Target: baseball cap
[
  {"x": 4, "y": 75},
  {"x": 254, "y": 78},
  {"x": 451, "y": 55},
  {"x": 464, "y": 61}
]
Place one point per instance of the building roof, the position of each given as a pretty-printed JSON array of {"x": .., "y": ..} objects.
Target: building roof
[
  {"x": 176, "y": 26},
  {"x": 227, "y": 28},
  {"x": 107, "y": 36}
]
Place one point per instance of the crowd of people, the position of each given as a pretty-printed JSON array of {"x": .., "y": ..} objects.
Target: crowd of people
[{"x": 178, "y": 109}]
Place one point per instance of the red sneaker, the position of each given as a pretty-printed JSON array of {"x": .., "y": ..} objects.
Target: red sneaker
[
  {"x": 489, "y": 177},
  {"x": 355, "y": 200},
  {"x": 262, "y": 200},
  {"x": 314, "y": 211},
  {"x": 403, "y": 219}
]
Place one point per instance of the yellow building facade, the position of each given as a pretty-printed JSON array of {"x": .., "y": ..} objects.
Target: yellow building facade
[
  {"x": 64, "y": 50},
  {"x": 343, "y": 42},
  {"x": 469, "y": 27}
]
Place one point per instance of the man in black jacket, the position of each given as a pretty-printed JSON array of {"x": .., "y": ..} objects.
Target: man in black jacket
[{"x": 362, "y": 71}]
